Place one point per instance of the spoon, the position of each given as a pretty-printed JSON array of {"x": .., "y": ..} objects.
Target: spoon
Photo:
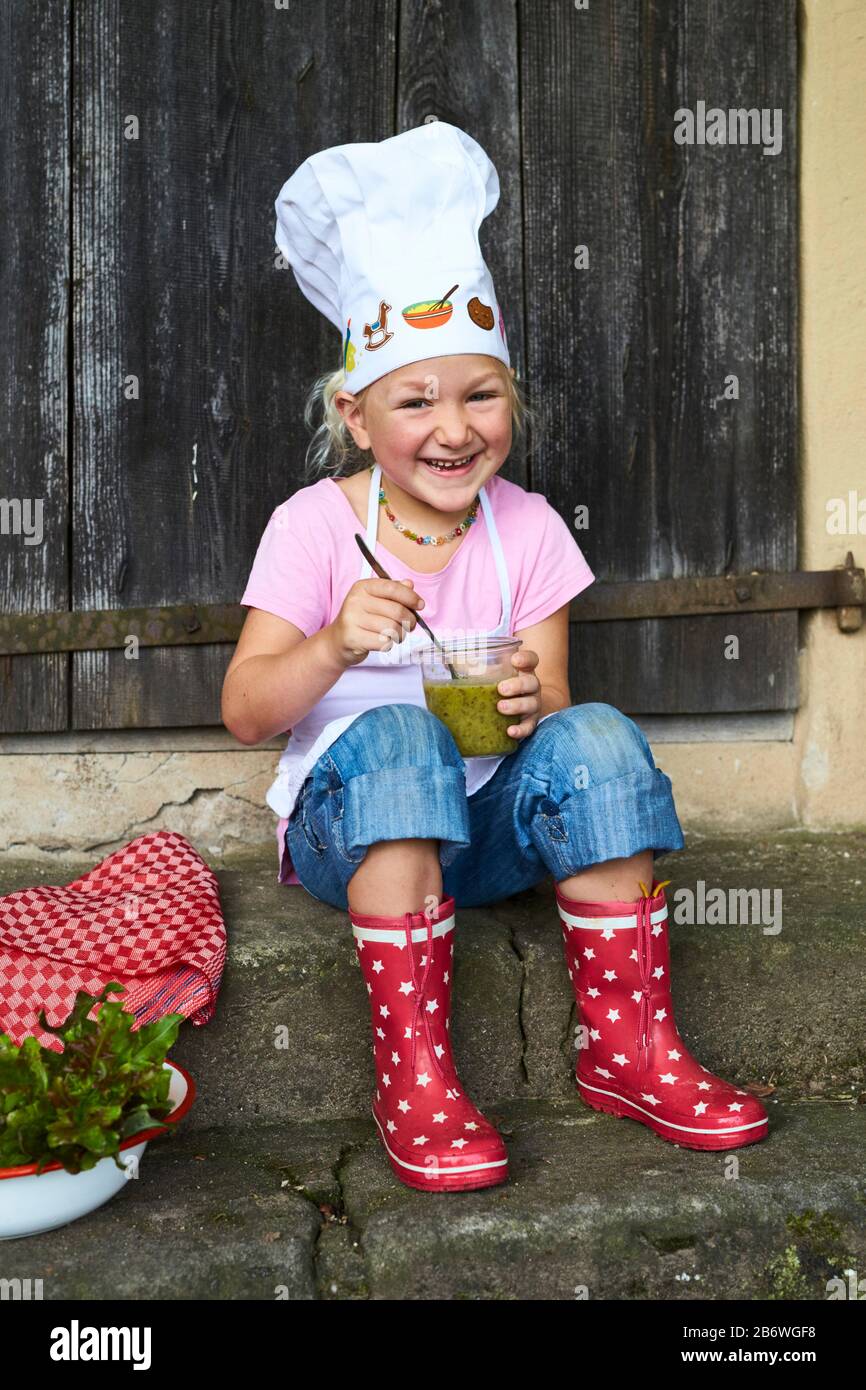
[
  {"x": 377, "y": 569},
  {"x": 434, "y": 307}
]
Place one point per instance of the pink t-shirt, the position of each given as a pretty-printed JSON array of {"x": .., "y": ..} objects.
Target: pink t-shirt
[{"x": 307, "y": 561}]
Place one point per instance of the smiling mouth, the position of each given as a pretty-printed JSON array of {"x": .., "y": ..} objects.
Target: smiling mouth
[{"x": 461, "y": 465}]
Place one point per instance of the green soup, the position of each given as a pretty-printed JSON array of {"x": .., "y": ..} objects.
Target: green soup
[{"x": 469, "y": 711}]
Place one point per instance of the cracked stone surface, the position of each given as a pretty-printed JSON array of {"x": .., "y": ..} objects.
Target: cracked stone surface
[
  {"x": 71, "y": 804},
  {"x": 595, "y": 1207}
]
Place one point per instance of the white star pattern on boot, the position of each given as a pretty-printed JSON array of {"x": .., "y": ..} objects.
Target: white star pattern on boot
[
  {"x": 423, "y": 1023},
  {"x": 625, "y": 980}
]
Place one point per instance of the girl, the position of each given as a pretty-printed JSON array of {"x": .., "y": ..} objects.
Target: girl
[{"x": 379, "y": 813}]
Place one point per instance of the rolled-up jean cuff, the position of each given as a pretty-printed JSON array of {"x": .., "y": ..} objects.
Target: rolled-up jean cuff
[
  {"x": 381, "y": 806},
  {"x": 613, "y": 820}
]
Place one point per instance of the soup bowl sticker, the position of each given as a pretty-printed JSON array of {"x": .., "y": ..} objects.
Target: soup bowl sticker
[{"x": 428, "y": 313}]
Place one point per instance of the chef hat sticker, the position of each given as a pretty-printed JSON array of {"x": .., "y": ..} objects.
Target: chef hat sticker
[{"x": 368, "y": 228}]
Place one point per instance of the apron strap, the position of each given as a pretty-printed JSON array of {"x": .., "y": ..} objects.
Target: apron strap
[
  {"x": 372, "y": 521},
  {"x": 499, "y": 558}
]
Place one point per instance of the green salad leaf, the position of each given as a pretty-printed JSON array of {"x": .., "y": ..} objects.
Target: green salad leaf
[{"x": 77, "y": 1106}]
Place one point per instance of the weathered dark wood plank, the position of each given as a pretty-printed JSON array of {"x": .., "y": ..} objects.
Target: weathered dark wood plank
[
  {"x": 34, "y": 288},
  {"x": 181, "y": 287},
  {"x": 459, "y": 62},
  {"x": 177, "y": 286},
  {"x": 692, "y": 276}
]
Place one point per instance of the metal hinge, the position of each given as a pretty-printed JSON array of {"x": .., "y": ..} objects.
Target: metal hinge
[
  {"x": 842, "y": 588},
  {"x": 183, "y": 625}
]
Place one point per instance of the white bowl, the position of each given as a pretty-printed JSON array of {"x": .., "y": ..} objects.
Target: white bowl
[{"x": 32, "y": 1202}]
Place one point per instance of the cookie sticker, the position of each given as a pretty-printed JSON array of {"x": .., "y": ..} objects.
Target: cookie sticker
[
  {"x": 379, "y": 329},
  {"x": 480, "y": 313}
]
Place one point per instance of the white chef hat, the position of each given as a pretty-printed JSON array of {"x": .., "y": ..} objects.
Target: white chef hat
[{"x": 383, "y": 239}]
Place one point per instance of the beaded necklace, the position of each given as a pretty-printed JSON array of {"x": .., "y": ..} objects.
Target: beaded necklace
[{"x": 428, "y": 540}]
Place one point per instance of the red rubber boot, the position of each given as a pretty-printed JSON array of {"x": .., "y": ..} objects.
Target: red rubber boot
[
  {"x": 633, "y": 1061},
  {"x": 435, "y": 1138}
]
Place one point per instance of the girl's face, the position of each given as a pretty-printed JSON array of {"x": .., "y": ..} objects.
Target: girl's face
[{"x": 444, "y": 410}]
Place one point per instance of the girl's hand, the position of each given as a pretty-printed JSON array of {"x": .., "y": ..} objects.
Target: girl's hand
[
  {"x": 375, "y": 616},
  {"x": 526, "y": 690}
]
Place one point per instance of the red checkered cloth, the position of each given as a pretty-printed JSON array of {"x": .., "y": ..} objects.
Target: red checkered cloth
[{"x": 148, "y": 916}]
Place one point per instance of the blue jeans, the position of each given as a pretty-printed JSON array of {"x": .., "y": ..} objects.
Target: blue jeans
[{"x": 582, "y": 788}]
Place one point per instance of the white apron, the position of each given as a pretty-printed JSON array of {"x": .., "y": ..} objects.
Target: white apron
[{"x": 382, "y": 678}]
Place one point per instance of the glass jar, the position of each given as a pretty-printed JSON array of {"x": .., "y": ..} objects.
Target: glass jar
[{"x": 467, "y": 706}]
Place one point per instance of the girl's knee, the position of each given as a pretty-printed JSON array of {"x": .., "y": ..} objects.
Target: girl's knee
[
  {"x": 402, "y": 735},
  {"x": 598, "y": 737}
]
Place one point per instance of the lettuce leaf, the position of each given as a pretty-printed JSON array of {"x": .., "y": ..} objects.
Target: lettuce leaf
[{"x": 77, "y": 1106}]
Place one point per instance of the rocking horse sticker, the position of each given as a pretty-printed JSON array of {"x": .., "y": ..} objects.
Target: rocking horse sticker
[{"x": 378, "y": 330}]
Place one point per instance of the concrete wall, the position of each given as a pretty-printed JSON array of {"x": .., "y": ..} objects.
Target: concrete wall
[{"x": 63, "y": 796}]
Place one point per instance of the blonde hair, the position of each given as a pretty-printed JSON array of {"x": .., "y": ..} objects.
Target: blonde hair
[{"x": 332, "y": 451}]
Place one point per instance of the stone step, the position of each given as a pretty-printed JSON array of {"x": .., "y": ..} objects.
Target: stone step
[
  {"x": 786, "y": 1008},
  {"x": 290, "y": 1038},
  {"x": 595, "y": 1208}
]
